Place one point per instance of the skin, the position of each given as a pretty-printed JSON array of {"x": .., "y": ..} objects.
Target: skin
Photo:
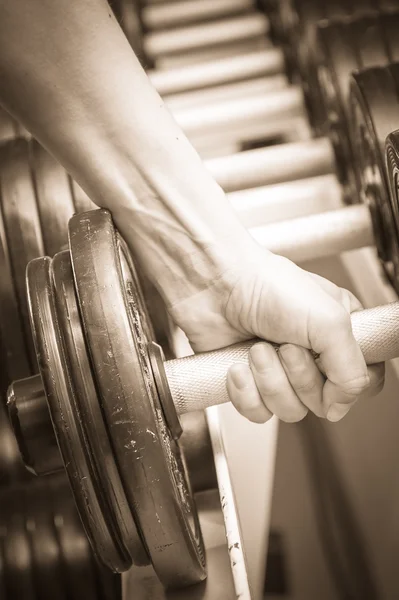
[{"x": 70, "y": 77}]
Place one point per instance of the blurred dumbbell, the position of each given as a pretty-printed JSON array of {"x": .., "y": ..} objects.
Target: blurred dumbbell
[
  {"x": 217, "y": 35},
  {"x": 294, "y": 22},
  {"x": 189, "y": 12},
  {"x": 132, "y": 400},
  {"x": 44, "y": 552}
]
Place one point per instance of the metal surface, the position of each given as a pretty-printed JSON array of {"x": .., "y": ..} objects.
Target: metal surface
[
  {"x": 272, "y": 165},
  {"x": 374, "y": 104},
  {"x": 21, "y": 224},
  {"x": 187, "y": 12},
  {"x": 151, "y": 466},
  {"x": 65, "y": 416},
  {"x": 270, "y": 204},
  {"x": 318, "y": 236},
  {"x": 229, "y": 91},
  {"x": 392, "y": 163},
  {"x": 13, "y": 350},
  {"x": 297, "y": 20},
  {"x": 283, "y": 104},
  {"x": 213, "y": 54},
  {"x": 199, "y": 381},
  {"x": 229, "y": 69},
  {"x": 345, "y": 47},
  {"x": 208, "y": 35}
]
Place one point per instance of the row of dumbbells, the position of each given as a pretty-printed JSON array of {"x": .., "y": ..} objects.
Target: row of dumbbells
[{"x": 38, "y": 198}]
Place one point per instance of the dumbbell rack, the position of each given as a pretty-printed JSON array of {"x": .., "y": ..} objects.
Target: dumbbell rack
[{"x": 230, "y": 575}]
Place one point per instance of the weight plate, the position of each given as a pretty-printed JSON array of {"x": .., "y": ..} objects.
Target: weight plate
[
  {"x": 299, "y": 18},
  {"x": 392, "y": 162},
  {"x": 374, "y": 106},
  {"x": 76, "y": 554},
  {"x": 66, "y": 419},
  {"x": 17, "y": 552},
  {"x": 116, "y": 329},
  {"x": 107, "y": 482},
  {"x": 54, "y": 198},
  {"x": 346, "y": 46},
  {"x": 22, "y": 225},
  {"x": 16, "y": 364},
  {"x": 50, "y": 582}
]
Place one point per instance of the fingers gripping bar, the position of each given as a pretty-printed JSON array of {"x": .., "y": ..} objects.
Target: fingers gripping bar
[{"x": 199, "y": 381}]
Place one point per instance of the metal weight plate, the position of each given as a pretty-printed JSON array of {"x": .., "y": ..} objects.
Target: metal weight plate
[
  {"x": 374, "y": 113},
  {"x": 54, "y": 198},
  {"x": 50, "y": 580},
  {"x": 17, "y": 553},
  {"x": 107, "y": 480},
  {"x": 392, "y": 162},
  {"x": 346, "y": 46},
  {"x": 75, "y": 551},
  {"x": 65, "y": 416},
  {"x": 115, "y": 326},
  {"x": 11, "y": 334},
  {"x": 22, "y": 224},
  {"x": 299, "y": 18}
]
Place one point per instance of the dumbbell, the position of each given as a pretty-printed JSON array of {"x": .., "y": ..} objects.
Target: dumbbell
[
  {"x": 295, "y": 22},
  {"x": 107, "y": 386},
  {"x": 374, "y": 114},
  {"x": 344, "y": 46},
  {"x": 190, "y": 12},
  {"x": 44, "y": 552},
  {"x": 246, "y": 30},
  {"x": 29, "y": 169},
  {"x": 392, "y": 162}
]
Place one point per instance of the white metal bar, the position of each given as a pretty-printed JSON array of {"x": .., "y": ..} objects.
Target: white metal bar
[
  {"x": 272, "y": 165},
  {"x": 178, "y": 14},
  {"x": 205, "y": 35}
]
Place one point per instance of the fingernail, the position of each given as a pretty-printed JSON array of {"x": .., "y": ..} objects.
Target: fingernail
[
  {"x": 337, "y": 411},
  {"x": 260, "y": 357},
  {"x": 292, "y": 355},
  {"x": 239, "y": 375}
]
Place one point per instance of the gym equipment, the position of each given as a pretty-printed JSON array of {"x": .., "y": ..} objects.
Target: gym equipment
[
  {"x": 374, "y": 113},
  {"x": 190, "y": 12},
  {"x": 44, "y": 552},
  {"x": 294, "y": 21},
  {"x": 105, "y": 349},
  {"x": 345, "y": 46}
]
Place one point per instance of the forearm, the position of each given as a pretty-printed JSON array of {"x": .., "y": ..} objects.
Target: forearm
[{"x": 69, "y": 75}]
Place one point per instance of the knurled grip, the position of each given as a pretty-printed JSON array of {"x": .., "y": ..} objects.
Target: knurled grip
[{"x": 199, "y": 381}]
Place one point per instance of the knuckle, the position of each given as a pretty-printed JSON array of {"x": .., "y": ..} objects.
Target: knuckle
[{"x": 357, "y": 386}]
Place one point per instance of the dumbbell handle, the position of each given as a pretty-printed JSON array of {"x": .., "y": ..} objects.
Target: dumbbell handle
[{"x": 199, "y": 381}]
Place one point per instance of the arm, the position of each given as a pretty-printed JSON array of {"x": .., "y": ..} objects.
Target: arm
[{"x": 77, "y": 86}]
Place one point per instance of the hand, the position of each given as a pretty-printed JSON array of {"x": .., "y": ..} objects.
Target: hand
[{"x": 270, "y": 297}]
